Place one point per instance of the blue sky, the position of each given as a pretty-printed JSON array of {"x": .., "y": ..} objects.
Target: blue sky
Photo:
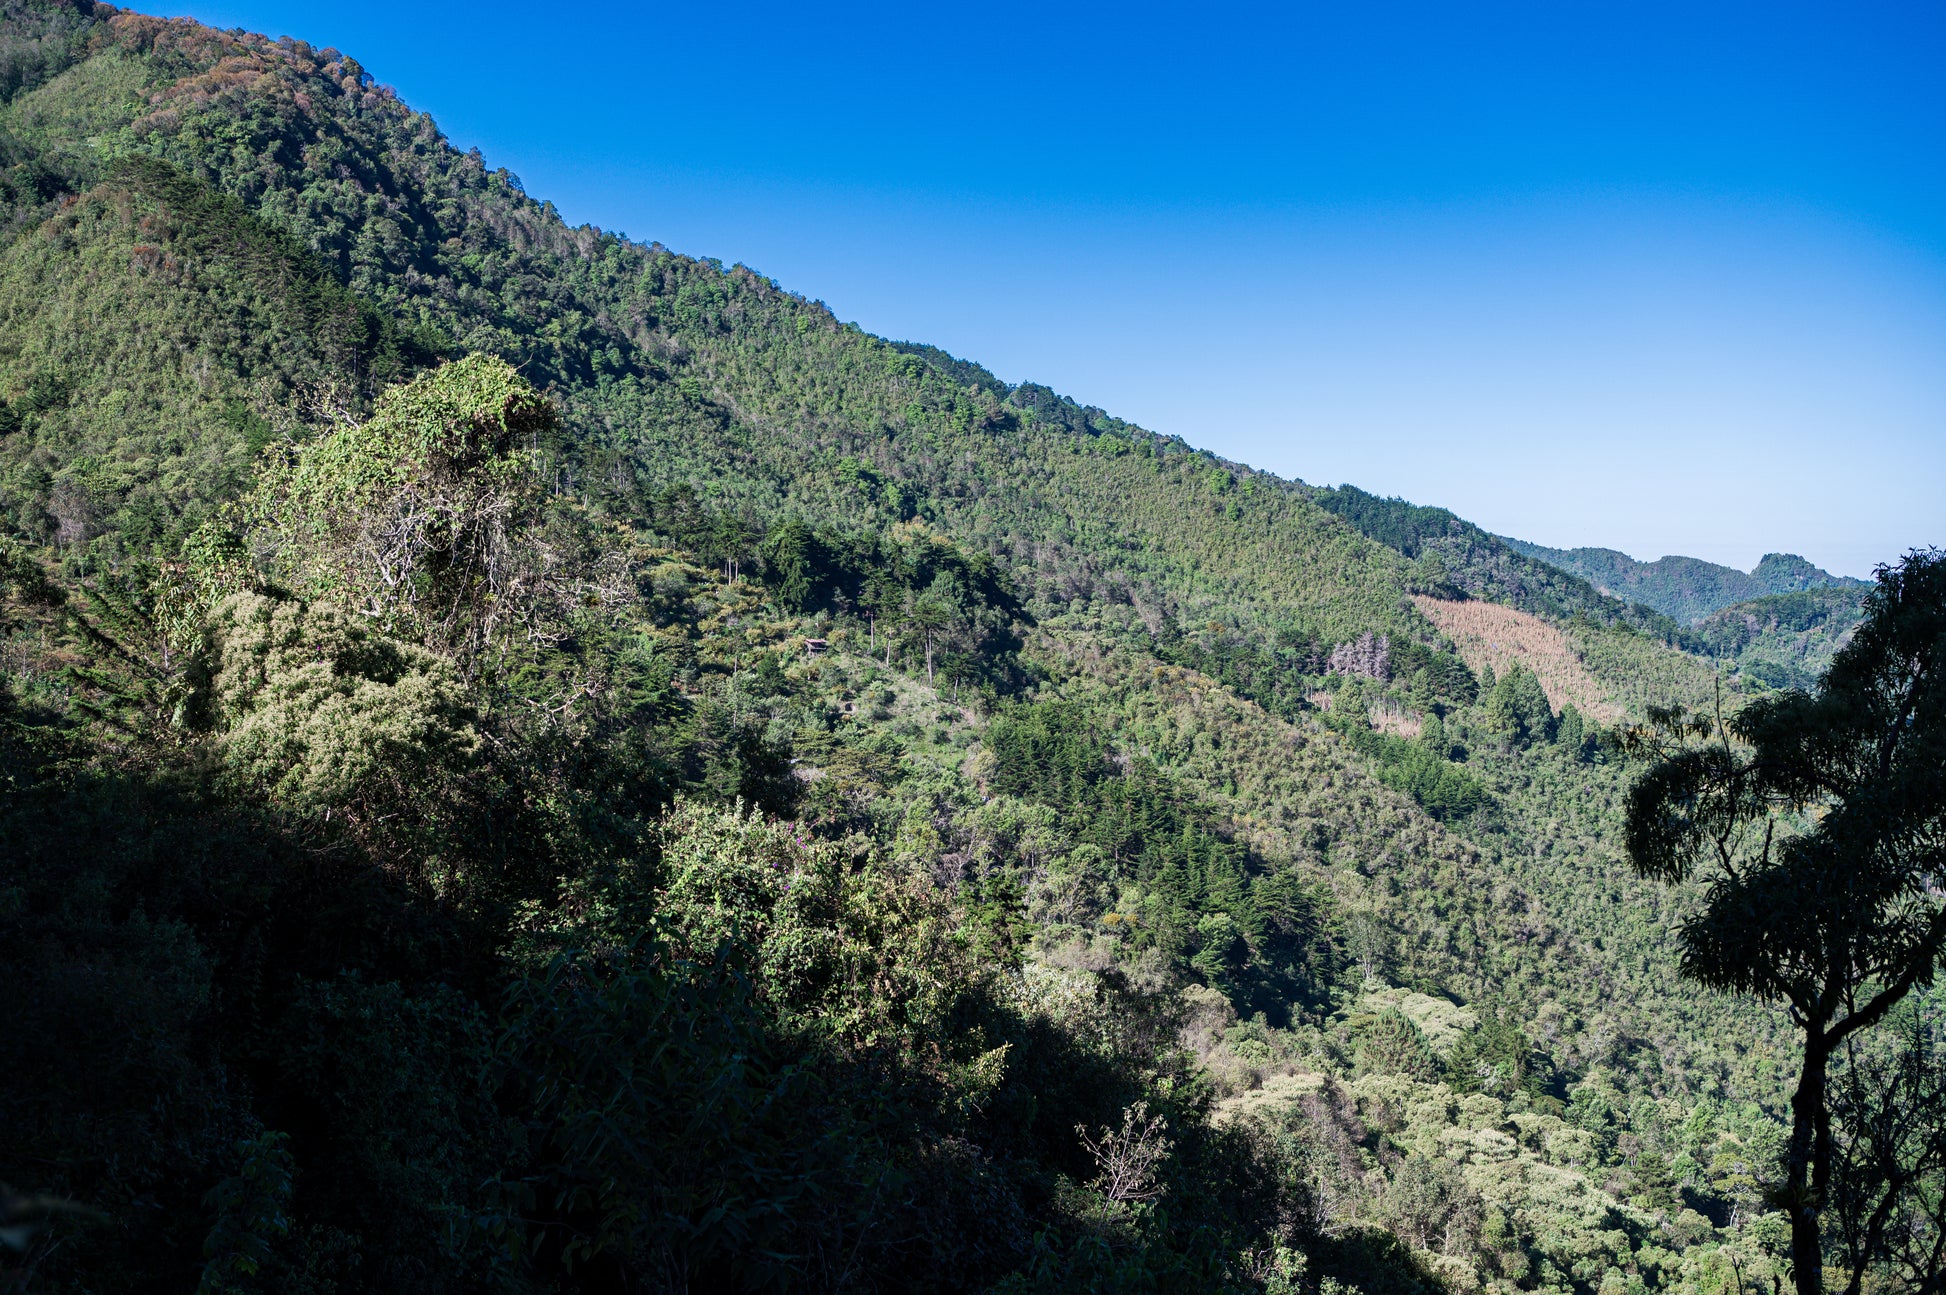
[{"x": 1664, "y": 278}]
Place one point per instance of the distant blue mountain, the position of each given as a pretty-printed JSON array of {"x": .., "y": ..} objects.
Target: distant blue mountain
[{"x": 1687, "y": 589}]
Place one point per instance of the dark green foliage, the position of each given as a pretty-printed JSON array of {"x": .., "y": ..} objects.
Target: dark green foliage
[
  {"x": 1499, "y": 1058},
  {"x": 1254, "y": 932},
  {"x": 1887, "y": 1211},
  {"x": 1393, "y": 522},
  {"x": 351, "y": 336},
  {"x": 1821, "y": 820},
  {"x": 1391, "y": 1044},
  {"x": 1420, "y": 769},
  {"x": 1441, "y": 788},
  {"x": 1784, "y": 640},
  {"x": 252, "y": 1215},
  {"x": 43, "y": 39},
  {"x": 1571, "y": 731},
  {"x": 910, "y": 586},
  {"x": 1431, "y": 678},
  {"x": 663, "y": 1122},
  {"x": 1517, "y": 707},
  {"x": 169, "y": 956},
  {"x": 1654, "y": 1186},
  {"x": 925, "y": 591},
  {"x": 1275, "y": 670},
  {"x": 1047, "y": 752}
]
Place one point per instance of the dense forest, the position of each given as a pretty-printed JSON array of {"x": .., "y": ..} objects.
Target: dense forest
[{"x": 533, "y": 762}]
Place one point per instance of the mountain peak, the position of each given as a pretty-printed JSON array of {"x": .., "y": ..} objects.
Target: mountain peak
[{"x": 1686, "y": 588}]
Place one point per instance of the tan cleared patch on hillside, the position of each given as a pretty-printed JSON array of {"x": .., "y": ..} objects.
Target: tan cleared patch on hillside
[
  {"x": 1488, "y": 634},
  {"x": 1397, "y": 723},
  {"x": 1386, "y": 717}
]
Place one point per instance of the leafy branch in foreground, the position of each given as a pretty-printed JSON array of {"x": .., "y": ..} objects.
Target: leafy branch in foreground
[
  {"x": 1888, "y": 1203},
  {"x": 1819, "y": 821}
]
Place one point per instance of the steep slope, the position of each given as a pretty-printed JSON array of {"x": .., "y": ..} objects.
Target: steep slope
[
  {"x": 1540, "y": 911},
  {"x": 226, "y": 174},
  {"x": 145, "y": 326},
  {"x": 1687, "y": 589},
  {"x": 678, "y": 371}
]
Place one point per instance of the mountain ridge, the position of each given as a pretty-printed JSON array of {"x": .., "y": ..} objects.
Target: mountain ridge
[{"x": 1688, "y": 589}]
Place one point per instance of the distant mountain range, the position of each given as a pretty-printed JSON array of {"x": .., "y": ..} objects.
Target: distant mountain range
[
  {"x": 1687, "y": 589},
  {"x": 1777, "y": 626}
]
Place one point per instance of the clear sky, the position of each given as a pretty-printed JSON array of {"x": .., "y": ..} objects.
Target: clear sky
[{"x": 1668, "y": 278}]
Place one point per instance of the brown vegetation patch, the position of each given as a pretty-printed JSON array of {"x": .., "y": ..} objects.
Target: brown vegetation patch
[
  {"x": 1488, "y": 634},
  {"x": 1397, "y": 723}
]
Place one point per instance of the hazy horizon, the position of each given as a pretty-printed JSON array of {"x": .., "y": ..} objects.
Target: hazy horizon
[{"x": 1664, "y": 282}]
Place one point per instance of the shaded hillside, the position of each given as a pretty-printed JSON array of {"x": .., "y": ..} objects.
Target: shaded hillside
[{"x": 1687, "y": 589}]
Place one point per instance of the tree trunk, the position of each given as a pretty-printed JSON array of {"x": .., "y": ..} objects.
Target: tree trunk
[
  {"x": 928, "y": 656},
  {"x": 1808, "y": 1165}
]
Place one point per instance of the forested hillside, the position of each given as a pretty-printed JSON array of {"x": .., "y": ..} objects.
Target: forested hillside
[
  {"x": 1784, "y": 640},
  {"x": 537, "y": 762},
  {"x": 1455, "y": 557}
]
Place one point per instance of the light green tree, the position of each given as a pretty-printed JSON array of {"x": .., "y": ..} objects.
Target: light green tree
[{"x": 323, "y": 714}]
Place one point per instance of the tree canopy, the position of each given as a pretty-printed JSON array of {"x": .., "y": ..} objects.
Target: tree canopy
[{"x": 1819, "y": 822}]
